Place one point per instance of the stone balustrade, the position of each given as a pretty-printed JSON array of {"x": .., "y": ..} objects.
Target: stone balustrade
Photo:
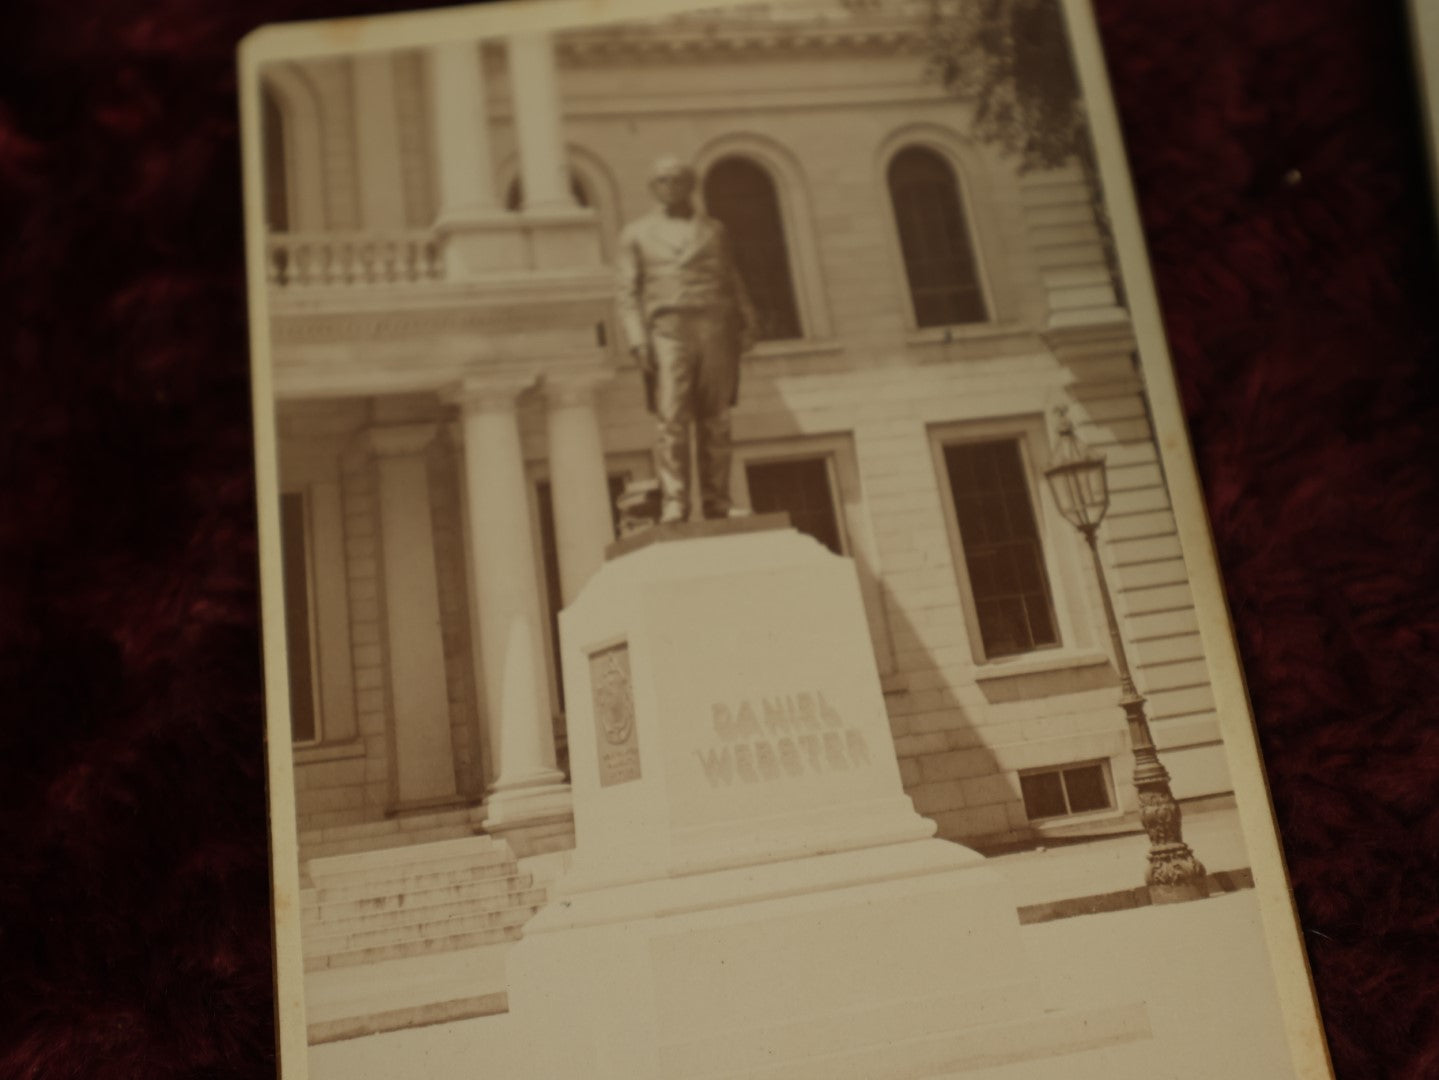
[{"x": 331, "y": 259}]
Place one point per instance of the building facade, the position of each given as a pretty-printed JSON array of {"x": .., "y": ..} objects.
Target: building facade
[{"x": 456, "y": 411}]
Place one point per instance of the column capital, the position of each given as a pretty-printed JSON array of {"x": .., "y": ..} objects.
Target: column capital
[
  {"x": 400, "y": 440},
  {"x": 533, "y": 38},
  {"x": 574, "y": 387},
  {"x": 490, "y": 393}
]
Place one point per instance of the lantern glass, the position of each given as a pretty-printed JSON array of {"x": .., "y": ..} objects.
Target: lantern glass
[
  {"x": 1078, "y": 481},
  {"x": 1094, "y": 484},
  {"x": 1066, "y": 494}
]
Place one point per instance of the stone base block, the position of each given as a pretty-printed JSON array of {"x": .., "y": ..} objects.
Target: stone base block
[
  {"x": 520, "y": 807},
  {"x": 563, "y": 240},
  {"x": 898, "y": 962},
  {"x": 753, "y": 895},
  {"x": 528, "y": 840},
  {"x": 478, "y": 245}
]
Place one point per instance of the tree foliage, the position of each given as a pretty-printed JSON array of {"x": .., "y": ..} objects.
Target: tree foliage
[{"x": 1010, "y": 61}]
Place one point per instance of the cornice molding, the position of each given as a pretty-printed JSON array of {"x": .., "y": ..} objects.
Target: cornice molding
[
  {"x": 401, "y": 440},
  {"x": 379, "y": 323},
  {"x": 735, "y": 39}
]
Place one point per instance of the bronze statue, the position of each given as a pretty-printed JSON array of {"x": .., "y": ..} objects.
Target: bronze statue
[{"x": 688, "y": 320}]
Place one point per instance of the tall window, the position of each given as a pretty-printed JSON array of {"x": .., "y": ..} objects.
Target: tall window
[
  {"x": 277, "y": 193},
  {"x": 293, "y": 542},
  {"x": 994, "y": 508},
  {"x": 801, "y": 487},
  {"x": 934, "y": 239},
  {"x": 741, "y": 196}
]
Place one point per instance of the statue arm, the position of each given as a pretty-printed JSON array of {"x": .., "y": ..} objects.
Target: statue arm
[{"x": 629, "y": 291}]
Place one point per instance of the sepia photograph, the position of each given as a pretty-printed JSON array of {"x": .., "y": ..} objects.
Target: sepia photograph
[{"x": 737, "y": 598}]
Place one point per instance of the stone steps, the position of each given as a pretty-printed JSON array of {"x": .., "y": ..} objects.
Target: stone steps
[
  {"x": 412, "y": 900},
  {"x": 399, "y": 864},
  {"x": 455, "y": 925},
  {"x": 355, "y": 888},
  {"x": 346, "y": 1002},
  {"x": 427, "y": 888},
  {"x": 478, "y": 892},
  {"x": 424, "y": 912},
  {"x": 438, "y": 1012},
  {"x": 420, "y": 947}
]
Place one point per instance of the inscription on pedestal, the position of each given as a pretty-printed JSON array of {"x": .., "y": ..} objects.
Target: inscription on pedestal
[
  {"x": 617, "y": 744},
  {"x": 780, "y": 738}
]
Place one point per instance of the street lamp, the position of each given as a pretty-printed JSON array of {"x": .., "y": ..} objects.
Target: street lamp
[{"x": 1077, "y": 479}]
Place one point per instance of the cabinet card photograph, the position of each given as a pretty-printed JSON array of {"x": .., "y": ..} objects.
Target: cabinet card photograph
[{"x": 738, "y": 602}]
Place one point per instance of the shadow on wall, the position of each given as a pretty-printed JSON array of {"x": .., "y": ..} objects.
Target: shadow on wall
[{"x": 951, "y": 775}]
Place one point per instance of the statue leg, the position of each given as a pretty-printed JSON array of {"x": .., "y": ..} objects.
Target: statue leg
[
  {"x": 674, "y": 408},
  {"x": 719, "y": 367},
  {"x": 715, "y": 454}
]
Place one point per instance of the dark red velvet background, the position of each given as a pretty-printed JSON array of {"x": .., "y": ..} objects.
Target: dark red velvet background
[{"x": 1277, "y": 154}]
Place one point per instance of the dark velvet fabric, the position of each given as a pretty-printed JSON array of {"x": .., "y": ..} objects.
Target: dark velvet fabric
[{"x": 1277, "y": 156}]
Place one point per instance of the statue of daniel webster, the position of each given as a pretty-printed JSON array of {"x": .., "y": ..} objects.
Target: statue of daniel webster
[{"x": 688, "y": 321}]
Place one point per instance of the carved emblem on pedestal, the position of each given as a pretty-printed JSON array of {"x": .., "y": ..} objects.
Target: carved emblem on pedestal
[{"x": 617, "y": 748}]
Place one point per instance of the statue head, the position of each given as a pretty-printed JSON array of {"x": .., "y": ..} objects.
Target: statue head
[{"x": 672, "y": 181}]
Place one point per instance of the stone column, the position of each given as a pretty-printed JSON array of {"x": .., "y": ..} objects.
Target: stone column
[
  {"x": 505, "y": 608},
  {"x": 478, "y": 237},
  {"x": 460, "y": 131},
  {"x": 377, "y": 143},
  {"x": 424, "y": 771},
  {"x": 579, "y": 483},
  {"x": 534, "y": 88}
]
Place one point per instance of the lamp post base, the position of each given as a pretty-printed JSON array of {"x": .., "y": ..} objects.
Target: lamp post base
[
  {"x": 1174, "y": 873},
  {"x": 1178, "y": 894}
]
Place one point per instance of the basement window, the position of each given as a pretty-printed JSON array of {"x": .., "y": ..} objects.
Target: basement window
[{"x": 1073, "y": 789}]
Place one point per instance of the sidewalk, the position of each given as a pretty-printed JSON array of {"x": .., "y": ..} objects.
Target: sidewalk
[
  {"x": 350, "y": 1002},
  {"x": 1202, "y": 971},
  {"x": 1096, "y": 867},
  {"x": 1201, "y": 968}
]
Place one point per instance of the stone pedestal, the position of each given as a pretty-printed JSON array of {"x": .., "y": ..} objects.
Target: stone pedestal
[
  {"x": 752, "y": 893},
  {"x": 480, "y": 246}
]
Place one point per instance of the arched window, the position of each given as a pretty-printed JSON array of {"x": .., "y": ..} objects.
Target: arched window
[
  {"x": 277, "y": 190},
  {"x": 515, "y": 193},
  {"x": 741, "y": 195},
  {"x": 934, "y": 238}
]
